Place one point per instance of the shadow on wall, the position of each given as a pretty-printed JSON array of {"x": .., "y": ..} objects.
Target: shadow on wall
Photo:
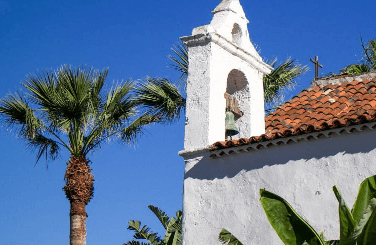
[{"x": 229, "y": 166}]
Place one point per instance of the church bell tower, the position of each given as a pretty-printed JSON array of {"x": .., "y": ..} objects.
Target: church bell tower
[{"x": 225, "y": 74}]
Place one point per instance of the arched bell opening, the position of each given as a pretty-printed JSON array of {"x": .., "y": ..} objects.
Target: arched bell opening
[
  {"x": 237, "y": 34},
  {"x": 237, "y": 104}
]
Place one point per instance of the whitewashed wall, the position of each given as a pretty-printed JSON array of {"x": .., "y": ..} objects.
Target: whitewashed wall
[
  {"x": 214, "y": 51},
  {"x": 224, "y": 192}
]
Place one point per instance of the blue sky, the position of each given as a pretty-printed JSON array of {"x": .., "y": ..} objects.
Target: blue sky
[{"x": 133, "y": 38}]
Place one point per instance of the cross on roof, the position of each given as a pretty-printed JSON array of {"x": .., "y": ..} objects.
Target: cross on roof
[{"x": 317, "y": 65}]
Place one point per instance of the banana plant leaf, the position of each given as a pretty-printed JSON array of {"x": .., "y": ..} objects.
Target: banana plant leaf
[
  {"x": 227, "y": 238},
  {"x": 367, "y": 191},
  {"x": 173, "y": 230},
  {"x": 290, "y": 227},
  {"x": 365, "y": 231},
  {"x": 347, "y": 223}
]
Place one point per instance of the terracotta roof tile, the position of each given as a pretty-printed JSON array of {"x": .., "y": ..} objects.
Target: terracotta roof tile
[{"x": 318, "y": 108}]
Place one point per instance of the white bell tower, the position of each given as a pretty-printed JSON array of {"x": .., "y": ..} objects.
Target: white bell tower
[{"x": 223, "y": 64}]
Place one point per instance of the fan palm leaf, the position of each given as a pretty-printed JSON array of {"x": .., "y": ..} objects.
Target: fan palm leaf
[
  {"x": 67, "y": 108},
  {"x": 180, "y": 61},
  {"x": 282, "y": 77},
  {"x": 161, "y": 98}
]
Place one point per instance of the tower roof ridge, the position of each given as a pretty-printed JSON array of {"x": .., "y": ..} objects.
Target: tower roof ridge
[{"x": 225, "y": 5}]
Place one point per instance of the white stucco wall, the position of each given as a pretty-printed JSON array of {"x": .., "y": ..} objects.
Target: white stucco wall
[
  {"x": 212, "y": 56},
  {"x": 224, "y": 192}
]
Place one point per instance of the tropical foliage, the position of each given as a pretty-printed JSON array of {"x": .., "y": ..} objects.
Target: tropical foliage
[
  {"x": 282, "y": 77},
  {"x": 357, "y": 226},
  {"x": 227, "y": 238},
  {"x": 173, "y": 227},
  {"x": 160, "y": 98},
  {"x": 68, "y": 109},
  {"x": 180, "y": 61},
  {"x": 368, "y": 61}
]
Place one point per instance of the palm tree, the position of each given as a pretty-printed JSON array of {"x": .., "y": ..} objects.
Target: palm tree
[
  {"x": 171, "y": 225},
  {"x": 368, "y": 61},
  {"x": 67, "y": 109}
]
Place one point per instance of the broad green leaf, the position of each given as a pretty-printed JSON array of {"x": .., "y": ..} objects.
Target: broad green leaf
[
  {"x": 346, "y": 221},
  {"x": 173, "y": 232},
  {"x": 173, "y": 228},
  {"x": 290, "y": 227},
  {"x": 367, "y": 191},
  {"x": 227, "y": 238},
  {"x": 331, "y": 242},
  {"x": 143, "y": 233},
  {"x": 162, "y": 216},
  {"x": 365, "y": 232}
]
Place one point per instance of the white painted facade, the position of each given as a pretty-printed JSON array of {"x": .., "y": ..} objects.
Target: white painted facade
[
  {"x": 223, "y": 192},
  {"x": 216, "y": 52}
]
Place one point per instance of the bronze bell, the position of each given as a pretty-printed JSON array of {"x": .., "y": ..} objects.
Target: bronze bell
[{"x": 230, "y": 124}]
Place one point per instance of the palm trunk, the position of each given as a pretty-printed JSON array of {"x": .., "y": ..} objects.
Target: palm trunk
[{"x": 79, "y": 190}]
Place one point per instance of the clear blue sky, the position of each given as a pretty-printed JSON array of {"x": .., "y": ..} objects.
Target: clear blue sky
[{"x": 133, "y": 38}]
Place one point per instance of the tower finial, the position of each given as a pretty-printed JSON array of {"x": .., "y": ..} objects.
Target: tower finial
[{"x": 226, "y": 5}]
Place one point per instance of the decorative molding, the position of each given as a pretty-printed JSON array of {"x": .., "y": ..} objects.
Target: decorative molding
[
  {"x": 293, "y": 139},
  {"x": 229, "y": 47}
]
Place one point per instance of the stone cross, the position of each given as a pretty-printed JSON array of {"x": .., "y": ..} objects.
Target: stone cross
[{"x": 317, "y": 65}]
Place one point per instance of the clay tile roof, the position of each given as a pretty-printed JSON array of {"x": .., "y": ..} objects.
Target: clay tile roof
[{"x": 323, "y": 106}]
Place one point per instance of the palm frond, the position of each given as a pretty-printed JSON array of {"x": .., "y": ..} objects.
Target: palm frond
[
  {"x": 118, "y": 105},
  {"x": 281, "y": 78},
  {"x": 67, "y": 107},
  {"x": 180, "y": 62},
  {"x": 42, "y": 87},
  {"x": 16, "y": 112},
  {"x": 63, "y": 95},
  {"x": 228, "y": 239},
  {"x": 110, "y": 120},
  {"x": 129, "y": 134},
  {"x": 161, "y": 98},
  {"x": 97, "y": 86},
  {"x": 47, "y": 146}
]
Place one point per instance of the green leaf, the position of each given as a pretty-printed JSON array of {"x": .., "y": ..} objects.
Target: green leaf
[
  {"x": 365, "y": 231},
  {"x": 346, "y": 220},
  {"x": 227, "y": 238},
  {"x": 282, "y": 77},
  {"x": 161, "y": 98},
  {"x": 162, "y": 216},
  {"x": 367, "y": 191},
  {"x": 290, "y": 227},
  {"x": 143, "y": 233},
  {"x": 355, "y": 69},
  {"x": 180, "y": 61},
  {"x": 173, "y": 232}
]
